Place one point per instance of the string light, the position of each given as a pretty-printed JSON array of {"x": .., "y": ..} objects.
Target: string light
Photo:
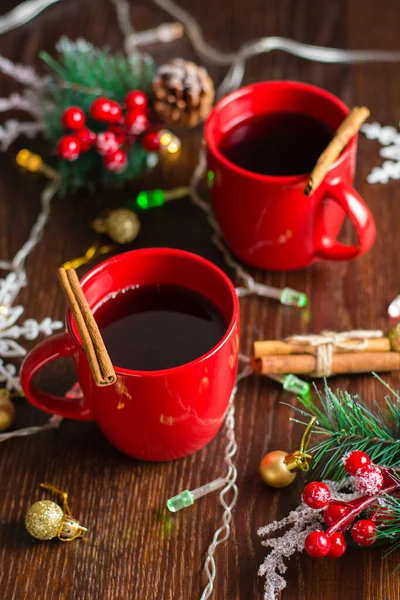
[
  {"x": 169, "y": 142},
  {"x": 188, "y": 498},
  {"x": 155, "y": 198},
  {"x": 293, "y": 384},
  {"x": 166, "y": 32},
  {"x": 34, "y": 163}
]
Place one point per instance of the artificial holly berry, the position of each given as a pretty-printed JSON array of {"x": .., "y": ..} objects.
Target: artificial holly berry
[
  {"x": 338, "y": 545},
  {"x": 317, "y": 544},
  {"x": 119, "y": 133},
  {"x": 106, "y": 143},
  {"x": 364, "y": 532},
  {"x": 316, "y": 495},
  {"x": 69, "y": 147},
  {"x": 356, "y": 460},
  {"x": 334, "y": 512},
  {"x": 136, "y": 100},
  {"x": 86, "y": 138},
  {"x": 369, "y": 480},
  {"x": 73, "y": 118},
  {"x": 151, "y": 141},
  {"x": 135, "y": 122},
  {"x": 116, "y": 162},
  {"x": 103, "y": 109}
]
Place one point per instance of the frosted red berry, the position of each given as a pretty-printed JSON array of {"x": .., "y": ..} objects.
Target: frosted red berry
[
  {"x": 103, "y": 109},
  {"x": 334, "y": 512},
  {"x": 116, "y": 162},
  {"x": 364, "y": 532},
  {"x": 338, "y": 545},
  {"x": 69, "y": 147},
  {"x": 106, "y": 143},
  {"x": 317, "y": 544},
  {"x": 73, "y": 118},
  {"x": 119, "y": 133},
  {"x": 86, "y": 138},
  {"x": 135, "y": 122},
  {"x": 136, "y": 100},
  {"x": 355, "y": 461},
  {"x": 316, "y": 495},
  {"x": 151, "y": 141},
  {"x": 369, "y": 480}
]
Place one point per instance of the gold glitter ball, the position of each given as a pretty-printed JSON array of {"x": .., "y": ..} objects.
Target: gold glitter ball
[
  {"x": 121, "y": 224},
  {"x": 43, "y": 520}
]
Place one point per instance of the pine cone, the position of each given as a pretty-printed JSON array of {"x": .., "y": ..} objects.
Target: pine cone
[{"x": 184, "y": 93}]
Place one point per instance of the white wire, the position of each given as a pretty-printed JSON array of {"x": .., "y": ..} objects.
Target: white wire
[{"x": 23, "y": 13}]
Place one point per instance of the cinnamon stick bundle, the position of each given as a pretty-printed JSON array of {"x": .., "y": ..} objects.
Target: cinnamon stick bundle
[
  {"x": 349, "y": 127},
  {"x": 96, "y": 352},
  {"x": 306, "y": 364},
  {"x": 277, "y": 347}
]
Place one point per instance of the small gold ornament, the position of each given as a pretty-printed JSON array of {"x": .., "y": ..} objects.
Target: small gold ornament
[
  {"x": 46, "y": 520},
  {"x": 394, "y": 337},
  {"x": 7, "y": 410},
  {"x": 278, "y": 468},
  {"x": 121, "y": 224}
]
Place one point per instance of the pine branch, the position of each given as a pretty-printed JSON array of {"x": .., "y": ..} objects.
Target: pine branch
[{"x": 346, "y": 423}]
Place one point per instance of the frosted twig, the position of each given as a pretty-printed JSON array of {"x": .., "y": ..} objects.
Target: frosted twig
[
  {"x": 13, "y": 129},
  {"x": 28, "y": 101},
  {"x": 21, "y": 73}
]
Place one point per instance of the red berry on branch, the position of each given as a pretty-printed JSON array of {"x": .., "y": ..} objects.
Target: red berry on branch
[
  {"x": 355, "y": 460},
  {"x": 136, "y": 122},
  {"x": 119, "y": 133},
  {"x": 116, "y": 162},
  {"x": 369, "y": 480},
  {"x": 364, "y": 532},
  {"x": 86, "y": 138},
  {"x": 317, "y": 544},
  {"x": 73, "y": 118},
  {"x": 106, "y": 143},
  {"x": 338, "y": 545},
  {"x": 103, "y": 109},
  {"x": 151, "y": 141},
  {"x": 69, "y": 147},
  {"x": 334, "y": 512},
  {"x": 136, "y": 100},
  {"x": 316, "y": 495}
]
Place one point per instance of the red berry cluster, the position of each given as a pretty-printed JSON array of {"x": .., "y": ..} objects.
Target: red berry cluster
[
  {"x": 122, "y": 131},
  {"x": 339, "y": 516}
]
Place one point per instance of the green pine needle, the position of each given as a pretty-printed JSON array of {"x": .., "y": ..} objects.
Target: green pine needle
[
  {"x": 80, "y": 74},
  {"x": 345, "y": 423}
]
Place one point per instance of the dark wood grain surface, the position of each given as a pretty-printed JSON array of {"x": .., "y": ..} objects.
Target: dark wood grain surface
[{"x": 132, "y": 551}]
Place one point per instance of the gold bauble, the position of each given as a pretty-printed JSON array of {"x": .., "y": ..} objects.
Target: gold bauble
[
  {"x": 121, "y": 224},
  {"x": 43, "y": 520},
  {"x": 7, "y": 410},
  {"x": 274, "y": 471},
  {"x": 394, "y": 337}
]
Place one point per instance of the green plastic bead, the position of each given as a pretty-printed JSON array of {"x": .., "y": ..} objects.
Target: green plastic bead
[
  {"x": 182, "y": 500},
  {"x": 151, "y": 199},
  {"x": 293, "y": 297},
  {"x": 210, "y": 178}
]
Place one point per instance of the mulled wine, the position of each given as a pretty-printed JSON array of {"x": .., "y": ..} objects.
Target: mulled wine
[
  {"x": 158, "y": 326},
  {"x": 278, "y": 143}
]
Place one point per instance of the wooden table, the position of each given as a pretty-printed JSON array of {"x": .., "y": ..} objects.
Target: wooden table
[{"x": 132, "y": 550}]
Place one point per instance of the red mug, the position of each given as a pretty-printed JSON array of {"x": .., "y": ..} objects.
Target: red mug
[
  {"x": 266, "y": 220},
  {"x": 150, "y": 415}
]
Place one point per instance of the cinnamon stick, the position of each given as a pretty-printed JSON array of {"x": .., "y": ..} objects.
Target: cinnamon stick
[
  {"x": 96, "y": 352},
  {"x": 305, "y": 364},
  {"x": 277, "y": 347},
  {"x": 349, "y": 127}
]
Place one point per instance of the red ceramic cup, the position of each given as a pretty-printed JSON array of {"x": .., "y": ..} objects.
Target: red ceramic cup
[
  {"x": 151, "y": 415},
  {"x": 266, "y": 220}
]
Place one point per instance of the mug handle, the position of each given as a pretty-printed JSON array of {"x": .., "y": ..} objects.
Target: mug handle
[
  {"x": 51, "y": 349},
  {"x": 359, "y": 214}
]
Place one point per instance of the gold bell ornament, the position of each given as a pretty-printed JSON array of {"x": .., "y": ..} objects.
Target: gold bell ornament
[
  {"x": 7, "y": 410},
  {"x": 46, "y": 520},
  {"x": 278, "y": 468}
]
